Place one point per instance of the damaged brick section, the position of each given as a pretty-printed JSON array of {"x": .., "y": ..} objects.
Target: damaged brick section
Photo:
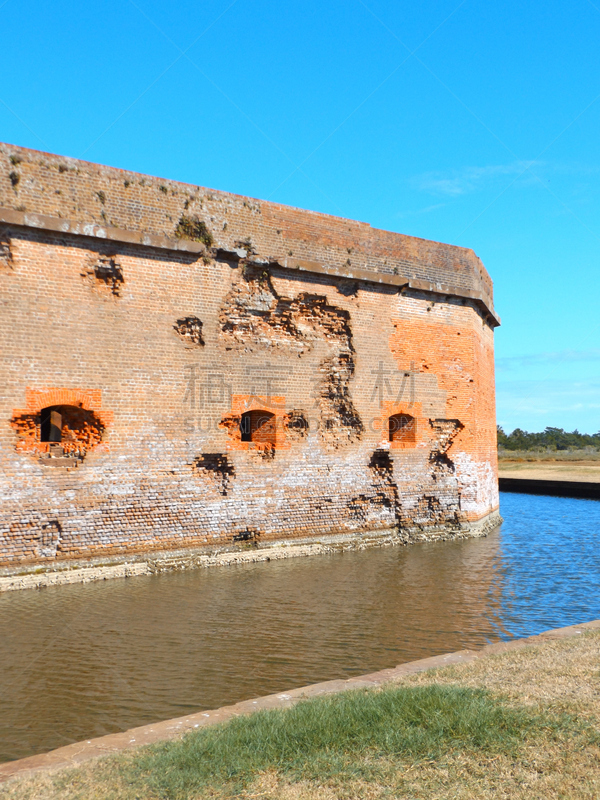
[
  {"x": 263, "y": 450},
  {"x": 340, "y": 422},
  {"x": 381, "y": 468},
  {"x": 217, "y": 468},
  {"x": 254, "y": 316},
  {"x": 41, "y": 536},
  {"x": 441, "y": 511},
  {"x": 6, "y": 260},
  {"x": 190, "y": 331},
  {"x": 296, "y": 425},
  {"x": 78, "y": 431},
  {"x": 231, "y": 423},
  {"x": 105, "y": 274},
  {"x": 432, "y": 503},
  {"x": 249, "y": 537},
  {"x": 439, "y": 503},
  {"x": 445, "y": 431}
]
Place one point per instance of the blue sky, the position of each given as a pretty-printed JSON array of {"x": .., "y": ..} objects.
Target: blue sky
[{"x": 473, "y": 123}]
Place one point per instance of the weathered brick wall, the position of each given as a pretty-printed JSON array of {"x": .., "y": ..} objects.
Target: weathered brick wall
[
  {"x": 89, "y": 193},
  {"x": 156, "y": 351}
]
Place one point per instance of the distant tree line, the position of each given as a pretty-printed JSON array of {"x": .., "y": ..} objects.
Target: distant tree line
[{"x": 550, "y": 439}]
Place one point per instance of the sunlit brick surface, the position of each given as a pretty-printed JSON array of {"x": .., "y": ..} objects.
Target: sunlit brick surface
[{"x": 161, "y": 350}]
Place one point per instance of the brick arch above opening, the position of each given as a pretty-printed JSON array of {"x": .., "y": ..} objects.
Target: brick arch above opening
[{"x": 36, "y": 399}]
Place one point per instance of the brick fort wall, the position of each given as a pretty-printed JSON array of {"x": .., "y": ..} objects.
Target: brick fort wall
[{"x": 222, "y": 372}]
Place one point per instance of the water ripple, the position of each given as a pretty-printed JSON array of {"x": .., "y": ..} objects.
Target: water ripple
[{"x": 83, "y": 661}]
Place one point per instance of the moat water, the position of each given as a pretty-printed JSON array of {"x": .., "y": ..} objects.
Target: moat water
[{"x": 82, "y": 661}]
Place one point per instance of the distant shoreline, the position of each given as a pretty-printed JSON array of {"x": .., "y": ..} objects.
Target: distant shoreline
[
  {"x": 530, "y": 468},
  {"x": 559, "y": 456}
]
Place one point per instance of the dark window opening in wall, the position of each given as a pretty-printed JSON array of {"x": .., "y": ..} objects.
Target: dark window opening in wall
[
  {"x": 75, "y": 429},
  {"x": 50, "y": 425},
  {"x": 258, "y": 426},
  {"x": 403, "y": 429}
]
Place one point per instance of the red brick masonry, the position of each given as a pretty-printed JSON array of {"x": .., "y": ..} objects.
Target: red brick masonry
[{"x": 158, "y": 321}]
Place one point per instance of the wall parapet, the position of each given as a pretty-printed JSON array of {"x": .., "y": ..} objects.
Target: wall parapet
[
  {"x": 141, "y": 238},
  {"x": 71, "y": 196}
]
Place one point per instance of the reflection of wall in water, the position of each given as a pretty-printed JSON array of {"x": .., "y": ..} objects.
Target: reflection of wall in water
[{"x": 248, "y": 631}]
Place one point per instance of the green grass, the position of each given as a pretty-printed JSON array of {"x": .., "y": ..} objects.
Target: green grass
[{"x": 338, "y": 736}]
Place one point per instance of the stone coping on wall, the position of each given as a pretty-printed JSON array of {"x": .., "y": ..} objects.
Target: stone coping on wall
[
  {"x": 62, "y": 573},
  {"x": 74, "y": 754},
  {"x": 72, "y": 189},
  {"x": 26, "y": 219}
]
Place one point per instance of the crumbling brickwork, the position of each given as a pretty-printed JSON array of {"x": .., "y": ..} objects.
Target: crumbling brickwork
[{"x": 186, "y": 368}]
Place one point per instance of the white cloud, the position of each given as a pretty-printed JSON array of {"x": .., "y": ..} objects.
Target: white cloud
[
  {"x": 471, "y": 179},
  {"x": 426, "y": 210},
  {"x": 515, "y": 363}
]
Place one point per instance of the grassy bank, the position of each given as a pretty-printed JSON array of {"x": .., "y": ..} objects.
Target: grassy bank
[
  {"x": 522, "y": 724},
  {"x": 546, "y": 469}
]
